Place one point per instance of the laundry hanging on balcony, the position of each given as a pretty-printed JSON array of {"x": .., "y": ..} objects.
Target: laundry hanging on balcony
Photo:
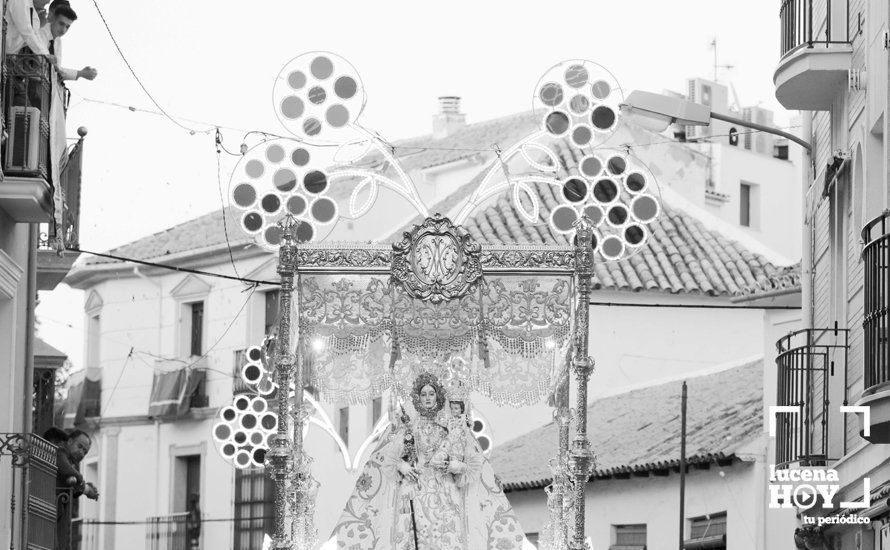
[
  {"x": 172, "y": 391},
  {"x": 83, "y": 400}
]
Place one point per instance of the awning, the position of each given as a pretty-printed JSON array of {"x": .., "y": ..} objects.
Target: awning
[
  {"x": 171, "y": 392},
  {"x": 83, "y": 401},
  {"x": 703, "y": 543}
]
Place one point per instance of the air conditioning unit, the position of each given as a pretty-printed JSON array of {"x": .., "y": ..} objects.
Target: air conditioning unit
[{"x": 23, "y": 144}]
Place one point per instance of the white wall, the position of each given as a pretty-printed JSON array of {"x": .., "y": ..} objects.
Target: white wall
[
  {"x": 778, "y": 196},
  {"x": 655, "y": 502},
  {"x": 631, "y": 344}
]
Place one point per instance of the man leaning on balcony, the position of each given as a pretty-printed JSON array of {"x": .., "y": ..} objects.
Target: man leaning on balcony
[
  {"x": 61, "y": 17},
  {"x": 23, "y": 24}
]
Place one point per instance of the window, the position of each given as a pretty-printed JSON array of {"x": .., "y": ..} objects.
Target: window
[
  {"x": 533, "y": 537},
  {"x": 254, "y": 508},
  {"x": 376, "y": 410},
  {"x": 343, "y": 425},
  {"x": 628, "y": 537},
  {"x": 196, "y": 328},
  {"x": 745, "y": 205},
  {"x": 780, "y": 151},
  {"x": 707, "y": 531},
  {"x": 186, "y": 480},
  {"x": 271, "y": 311}
]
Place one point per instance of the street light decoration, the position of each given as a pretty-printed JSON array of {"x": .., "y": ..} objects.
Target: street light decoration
[
  {"x": 618, "y": 194},
  {"x": 318, "y": 96},
  {"x": 243, "y": 433},
  {"x": 579, "y": 100},
  {"x": 283, "y": 177}
]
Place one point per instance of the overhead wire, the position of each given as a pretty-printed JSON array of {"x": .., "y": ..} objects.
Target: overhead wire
[
  {"x": 175, "y": 268},
  {"x": 222, "y": 201},
  {"x": 139, "y": 80},
  {"x": 118, "y": 381},
  {"x": 415, "y": 148}
]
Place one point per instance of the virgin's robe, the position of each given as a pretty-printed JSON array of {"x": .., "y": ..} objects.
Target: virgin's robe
[{"x": 463, "y": 511}]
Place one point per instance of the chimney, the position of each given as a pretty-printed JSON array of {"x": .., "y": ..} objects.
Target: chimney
[{"x": 449, "y": 119}]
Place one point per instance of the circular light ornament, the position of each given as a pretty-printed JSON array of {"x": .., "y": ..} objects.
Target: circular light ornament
[
  {"x": 243, "y": 433},
  {"x": 580, "y": 99},
  {"x": 282, "y": 177},
  {"x": 318, "y": 96},
  {"x": 619, "y": 196}
]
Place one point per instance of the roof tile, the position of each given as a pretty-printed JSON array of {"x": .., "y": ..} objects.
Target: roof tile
[
  {"x": 681, "y": 256},
  {"x": 640, "y": 430}
]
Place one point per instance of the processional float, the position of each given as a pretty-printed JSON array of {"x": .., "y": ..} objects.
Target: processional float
[{"x": 357, "y": 319}]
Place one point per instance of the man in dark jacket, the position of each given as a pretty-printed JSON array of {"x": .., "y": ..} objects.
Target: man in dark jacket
[{"x": 72, "y": 447}]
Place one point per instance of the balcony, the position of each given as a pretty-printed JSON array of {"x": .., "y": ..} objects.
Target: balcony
[
  {"x": 805, "y": 365},
  {"x": 876, "y": 269},
  {"x": 35, "y": 458},
  {"x": 173, "y": 532},
  {"x": 84, "y": 534},
  {"x": 815, "y": 53},
  {"x": 41, "y": 176},
  {"x": 60, "y": 238}
]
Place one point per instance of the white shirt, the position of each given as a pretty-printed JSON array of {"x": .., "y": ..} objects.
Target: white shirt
[
  {"x": 22, "y": 24},
  {"x": 45, "y": 35}
]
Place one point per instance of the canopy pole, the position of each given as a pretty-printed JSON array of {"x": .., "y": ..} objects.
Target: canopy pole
[
  {"x": 280, "y": 458},
  {"x": 562, "y": 479},
  {"x": 581, "y": 459}
]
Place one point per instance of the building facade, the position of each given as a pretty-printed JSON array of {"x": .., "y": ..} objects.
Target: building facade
[
  {"x": 39, "y": 211},
  {"x": 833, "y": 67},
  {"x": 170, "y": 346},
  {"x": 632, "y": 500}
]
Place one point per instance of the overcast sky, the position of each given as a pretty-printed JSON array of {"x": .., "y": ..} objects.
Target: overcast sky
[{"x": 215, "y": 61}]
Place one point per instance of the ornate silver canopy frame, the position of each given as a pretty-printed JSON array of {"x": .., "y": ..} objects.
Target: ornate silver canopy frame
[
  {"x": 435, "y": 265},
  {"x": 436, "y": 261},
  {"x": 357, "y": 319}
]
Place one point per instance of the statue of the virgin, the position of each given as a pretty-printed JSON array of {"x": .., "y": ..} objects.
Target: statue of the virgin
[{"x": 427, "y": 485}]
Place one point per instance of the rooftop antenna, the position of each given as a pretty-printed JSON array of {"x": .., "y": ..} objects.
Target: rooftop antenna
[
  {"x": 718, "y": 66},
  {"x": 737, "y": 105}
]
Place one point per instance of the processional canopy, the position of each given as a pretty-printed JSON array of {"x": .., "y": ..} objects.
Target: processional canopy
[
  {"x": 501, "y": 315},
  {"x": 371, "y": 316}
]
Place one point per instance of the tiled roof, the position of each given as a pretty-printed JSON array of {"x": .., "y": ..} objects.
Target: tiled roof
[
  {"x": 639, "y": 431},
  {"x": 201, "y": 232},
  {"x": 785, "y": 279},
  {"x": 466, "y": 142},
  {"x": 682, "y": 256},
  {"x": 42, "y": 349}
]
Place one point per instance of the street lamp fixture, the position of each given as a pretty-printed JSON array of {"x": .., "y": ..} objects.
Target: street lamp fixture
[{"x": 658, "y": 111}]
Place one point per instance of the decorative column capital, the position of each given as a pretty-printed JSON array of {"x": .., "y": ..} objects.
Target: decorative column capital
[{"x": 287, "y": 252}]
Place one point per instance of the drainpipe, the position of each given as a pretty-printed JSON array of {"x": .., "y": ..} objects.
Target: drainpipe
[
  {"x": 31, "y": 303},
  {"x": 806, "y": 259},
  {"x": 28, "y": 382}
]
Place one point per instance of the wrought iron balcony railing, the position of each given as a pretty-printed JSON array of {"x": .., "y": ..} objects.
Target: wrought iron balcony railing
[
  {"x": 36, "y": 458},
  {"x": 238, "y": 383},
  {"x": 876, "y": 319},
  {"x": 805, "y": 364},
  {"x": 28, "y": 90},
  {"x": 84, "y": 534},
  {"x": 813, "y": 22},
  {"x": 168, "y": 532}
]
